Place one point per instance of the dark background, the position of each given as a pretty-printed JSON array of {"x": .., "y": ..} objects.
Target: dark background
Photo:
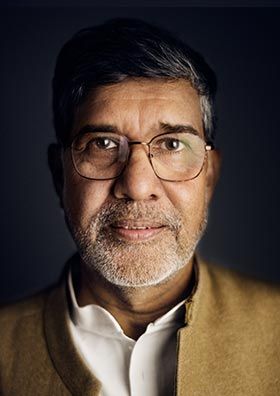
[{"x": 241, "y": 45}]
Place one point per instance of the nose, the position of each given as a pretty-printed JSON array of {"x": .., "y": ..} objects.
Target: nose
[{"x": 138, "y": 181}]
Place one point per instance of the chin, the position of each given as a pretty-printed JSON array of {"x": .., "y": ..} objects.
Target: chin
[{"x": 132, "y": 268}]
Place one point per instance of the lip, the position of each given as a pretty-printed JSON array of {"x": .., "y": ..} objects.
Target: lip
[
  {"x": 137, "y": 223},
  {"x": 136, "y": 230}
]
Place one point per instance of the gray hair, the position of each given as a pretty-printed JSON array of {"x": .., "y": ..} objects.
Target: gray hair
[{"x": 121, "y": 49}]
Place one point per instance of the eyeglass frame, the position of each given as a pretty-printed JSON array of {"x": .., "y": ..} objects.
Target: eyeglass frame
[{"x": 208, "y": 146}]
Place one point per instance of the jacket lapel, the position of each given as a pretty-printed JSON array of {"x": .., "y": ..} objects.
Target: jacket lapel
[
  {"x": 226, "y": 347},
  {"x": 66, "y": 359}
]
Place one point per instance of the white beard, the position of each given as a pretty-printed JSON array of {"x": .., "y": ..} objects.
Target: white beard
[{"x": 142, "y": 264}]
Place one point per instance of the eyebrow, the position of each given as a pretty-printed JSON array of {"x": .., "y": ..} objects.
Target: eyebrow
[
  {"x": 164, "y": 128},
  {"x": 99, "y": 128},
  {"x": 177, "y": 128}
]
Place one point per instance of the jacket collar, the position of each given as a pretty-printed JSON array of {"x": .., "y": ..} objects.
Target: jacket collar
[
  {"x": 66, "y": 359},
  {"x": 69, "y": 364}
]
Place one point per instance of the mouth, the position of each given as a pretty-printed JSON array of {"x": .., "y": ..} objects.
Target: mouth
[{"x": 136, "y": 230}]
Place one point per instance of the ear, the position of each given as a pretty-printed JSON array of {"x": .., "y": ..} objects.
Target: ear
[
  {"x": 213, "y": 172},
  {"x": 56, "y": 168}
]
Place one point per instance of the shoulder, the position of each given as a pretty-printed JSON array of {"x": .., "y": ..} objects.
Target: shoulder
[
  {"x": 227, "y": 278},
  {"x": 22, "y": 333},
  {"x": 22, "y": 318},
  {"x": 233, "y": 290},
  {"x": 32, "y": 306},
  {"x": 25, "y": 359},
  {"x": 22, "y": 309}
]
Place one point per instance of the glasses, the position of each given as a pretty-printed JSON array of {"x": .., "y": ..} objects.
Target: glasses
[{"x": 173, "y": 156}]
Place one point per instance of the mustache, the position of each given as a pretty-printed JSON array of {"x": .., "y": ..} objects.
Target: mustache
[{"x": 114, "y": 212}]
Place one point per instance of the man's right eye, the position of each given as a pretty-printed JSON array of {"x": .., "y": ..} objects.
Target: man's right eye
[{"x": 103, "y": 143}]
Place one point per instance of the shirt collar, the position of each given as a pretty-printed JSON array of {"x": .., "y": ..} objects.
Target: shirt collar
[{"x": 96, "y": 319}]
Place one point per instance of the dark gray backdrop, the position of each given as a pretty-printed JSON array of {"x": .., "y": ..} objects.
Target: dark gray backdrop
[{"x": 242, "y": 45}]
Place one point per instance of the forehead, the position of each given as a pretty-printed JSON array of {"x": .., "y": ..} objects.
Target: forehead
[{"x": 137, "y": 107}]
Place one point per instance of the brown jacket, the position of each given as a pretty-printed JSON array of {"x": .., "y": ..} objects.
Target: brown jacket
[{"x": 230, "y": 344}]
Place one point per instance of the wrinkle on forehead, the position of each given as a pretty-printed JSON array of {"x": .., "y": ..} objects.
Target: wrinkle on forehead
[
  {"x": 141, "y": 104},
  {"x": 150, "y": 88}
]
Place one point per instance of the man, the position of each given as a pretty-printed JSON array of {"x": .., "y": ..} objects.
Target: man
[{"x": 136, "y": 311}]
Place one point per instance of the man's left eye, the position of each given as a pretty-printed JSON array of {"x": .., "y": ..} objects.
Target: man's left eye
[{"x": 172, "y": 145}]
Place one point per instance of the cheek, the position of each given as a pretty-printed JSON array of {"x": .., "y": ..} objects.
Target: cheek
[
  {"x": 83, "y": 198},
  {"x": 188, "y": 198}
]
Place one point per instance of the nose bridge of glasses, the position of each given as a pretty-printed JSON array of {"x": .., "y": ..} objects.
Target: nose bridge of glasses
[
  {"x": 138, "y": 143},
  {"x": 138, "y": 157}
]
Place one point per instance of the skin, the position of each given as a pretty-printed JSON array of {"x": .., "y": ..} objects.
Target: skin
[{"x": 136, "y": 107}]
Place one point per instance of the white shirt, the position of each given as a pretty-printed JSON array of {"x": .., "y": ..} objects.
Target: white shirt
[{"x": 124, "y": 366}]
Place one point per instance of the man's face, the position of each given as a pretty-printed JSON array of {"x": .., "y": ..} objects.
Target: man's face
[{"x": 137, "y": 230}]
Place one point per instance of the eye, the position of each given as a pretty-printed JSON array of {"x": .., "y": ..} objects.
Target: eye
[
  {"x": 171, "y": 144},
  {"x": 104, "y": 143}
]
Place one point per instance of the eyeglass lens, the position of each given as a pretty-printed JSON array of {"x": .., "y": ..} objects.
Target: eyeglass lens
[{"x": 102, "y": 155}]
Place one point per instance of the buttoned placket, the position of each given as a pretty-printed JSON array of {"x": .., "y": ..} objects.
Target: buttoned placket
[{"x": 146, "y": 366}]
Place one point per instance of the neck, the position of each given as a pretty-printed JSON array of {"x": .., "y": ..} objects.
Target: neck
[{"x": 133, "y": 308}]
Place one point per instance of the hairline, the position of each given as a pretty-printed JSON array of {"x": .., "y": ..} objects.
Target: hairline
[{"x": 204, "y": 103}]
